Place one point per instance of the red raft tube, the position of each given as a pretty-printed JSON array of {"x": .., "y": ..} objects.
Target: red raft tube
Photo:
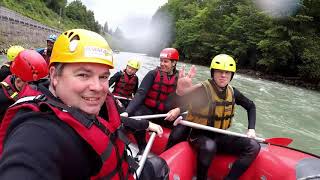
[{"x": 274, "y": 162}]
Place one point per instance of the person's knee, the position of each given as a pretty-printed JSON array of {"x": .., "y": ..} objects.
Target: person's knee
[
  {"x": 210, "y": 146},
  {"x": 160, "y": 168},
  {"x": 253, "y": 148}
]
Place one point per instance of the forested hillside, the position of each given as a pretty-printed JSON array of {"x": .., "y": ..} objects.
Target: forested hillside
[{"x": 281, "y": 41}]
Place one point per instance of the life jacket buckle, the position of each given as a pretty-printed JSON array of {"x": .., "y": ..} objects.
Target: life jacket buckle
[{"x": 40, "y": 98}]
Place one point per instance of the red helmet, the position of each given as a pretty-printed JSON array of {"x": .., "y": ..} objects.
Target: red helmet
[
  {"x": 29, "y": 65},
  {"x": 170, "y": 53}
]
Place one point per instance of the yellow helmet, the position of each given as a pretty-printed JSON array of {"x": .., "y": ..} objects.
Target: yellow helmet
[
  {"x": 13, "y": 51},
  {"x": 80, "y": 45},
  {"x": 223, "y": 62},
  {"x": 134, "y": 64}
]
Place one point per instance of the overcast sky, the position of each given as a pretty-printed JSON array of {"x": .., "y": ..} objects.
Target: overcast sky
[{"x": 132, "y": 16}]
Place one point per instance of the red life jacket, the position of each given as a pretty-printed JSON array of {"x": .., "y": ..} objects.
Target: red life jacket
[
  {"x": 9, "y": 89},
  {"x": 160, "y": 90},
  {"x": 103, "y": 136},
  {"x": 125, "y": 86}
]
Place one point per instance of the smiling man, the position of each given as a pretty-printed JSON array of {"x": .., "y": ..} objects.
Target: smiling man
[
  {"x": 71, "y": 129},
  {"x": 153, "y": 92}
]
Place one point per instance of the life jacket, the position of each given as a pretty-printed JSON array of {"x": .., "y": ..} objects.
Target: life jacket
[
  {"x": 125, "y": 86},
  {"x": 158, "y": 93},
  {"x": 218, "y": 113},
  {"x": 105, "y": 137},
  {"x": 9, "y": 89}
]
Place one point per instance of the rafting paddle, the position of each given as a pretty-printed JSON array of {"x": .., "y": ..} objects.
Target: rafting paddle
[
  {"x": 277, "y": 141},
  {"x": 145, "y": 154},
  {"x": 120, "y": 97},
  {"x": 153, "y": 116}
]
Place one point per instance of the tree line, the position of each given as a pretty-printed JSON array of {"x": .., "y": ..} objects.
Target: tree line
[{"x": 276, "y": 41}]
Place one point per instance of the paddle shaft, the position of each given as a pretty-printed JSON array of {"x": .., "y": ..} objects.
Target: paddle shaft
[
  {"x": 152, "y": 116},
  {"x": 120, "y": 97},
  {"x": 145, "y": 154},
  {"x": 209, "y": 128}
]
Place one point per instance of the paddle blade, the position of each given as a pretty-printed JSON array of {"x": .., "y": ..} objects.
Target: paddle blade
[{"x": 279, "y": 141}]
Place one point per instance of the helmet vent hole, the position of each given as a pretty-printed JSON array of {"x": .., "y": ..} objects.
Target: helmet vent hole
[
  {"x": 231, "y": 64},
  {"x": 76, "y": 37},
  {"x": 217, "y": 62},
  {"x": 65, "y": 33},
  {"x": 70, "y": 35}
]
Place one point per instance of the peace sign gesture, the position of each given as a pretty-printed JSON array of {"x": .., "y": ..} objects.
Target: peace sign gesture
[{"x": 184, "y": 84}]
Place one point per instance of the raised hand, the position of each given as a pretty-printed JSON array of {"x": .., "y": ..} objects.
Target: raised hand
[{"x": 184, "y": 84}]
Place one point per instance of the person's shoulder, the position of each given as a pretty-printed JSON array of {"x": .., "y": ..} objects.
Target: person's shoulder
[
  {"x": 235, "y": 91},
  {"x": 153, "y": 71},
  {"x": 118, "y": 74},
  {"x": 41, "y": 50},
  {"x": 44, "y": 123}
]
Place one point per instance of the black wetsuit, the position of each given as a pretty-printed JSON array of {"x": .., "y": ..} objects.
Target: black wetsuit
[
  {"x": 5, "y": 101},
  {"x": 5, "y": 71},
  {"x": 40, "y": 146}
]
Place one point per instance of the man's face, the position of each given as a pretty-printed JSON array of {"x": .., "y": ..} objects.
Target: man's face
[
  {"x": 166, "y": 65},
  {"x": 49, "y": 45},
  {"x": 222, "y": 78},
  {"x": 82, "y": 85},
  {"x": 131, "y": 71}
]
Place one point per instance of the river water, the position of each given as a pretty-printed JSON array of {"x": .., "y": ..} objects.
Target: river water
[{"x": 282, "y": 110}]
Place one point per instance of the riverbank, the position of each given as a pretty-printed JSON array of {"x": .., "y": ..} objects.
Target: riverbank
[{"x": 295, "y": 81}]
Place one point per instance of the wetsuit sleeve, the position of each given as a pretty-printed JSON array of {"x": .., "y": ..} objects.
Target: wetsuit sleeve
[
  {"x": 133, "y": 124},
  {"x": 141, "y": 92},
  {"x": 4, "y": 72},
  {"x": 5, "y": 102},
  {"x": 136, "y": 87},
  {"x": 248, "y": 105},
  {"x": 115, "y": 78},
  {"x": 40, "y": 149}
]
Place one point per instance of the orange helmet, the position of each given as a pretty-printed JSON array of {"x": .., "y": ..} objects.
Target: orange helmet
[
  {"x": 29, "y": 65},
  {"x": 170, "y": 53}
]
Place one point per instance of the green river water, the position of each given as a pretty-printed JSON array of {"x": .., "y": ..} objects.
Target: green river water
[{"x": 282, "y": 110}]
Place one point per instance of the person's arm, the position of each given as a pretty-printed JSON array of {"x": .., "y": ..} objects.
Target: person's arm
[
  {"x": 115, "y": 78},
  {"x": 248, "y": 105},
  {"x": 4, "y": 72},
  {"x": 133, "y": 124},
  {"x": 40, "y": 149},
  {"x": 140, "y": 96},
  {"x": 5, "y": 103},
  {"x": 138, "y": 125},
  {"x": 136, "y": 87}
]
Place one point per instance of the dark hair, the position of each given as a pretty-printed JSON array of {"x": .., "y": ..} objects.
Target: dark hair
[{"x": 58, "y": 68}]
